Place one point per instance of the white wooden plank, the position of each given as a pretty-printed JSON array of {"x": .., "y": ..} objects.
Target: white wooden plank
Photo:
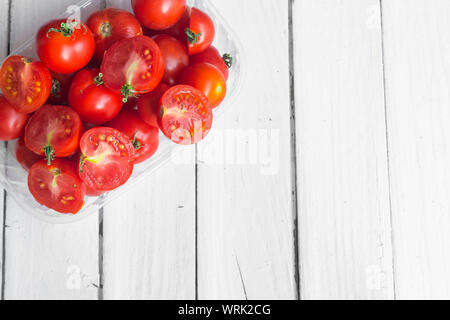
[
  {"x": 245, "y": 215},
  {"x": 417, "y": 60},
  {"x": 45, "y": 261},
  {"x": 4, "y": 10},
  {"x": 343, "y": 189}
]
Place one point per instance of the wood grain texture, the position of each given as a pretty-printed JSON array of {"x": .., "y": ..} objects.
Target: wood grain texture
[
  {"x": 343, "y": 189},
  {"x": 245, "y": 217},
  {"x": 44, "y": 261},
  {"x": 417, "y": 61}
]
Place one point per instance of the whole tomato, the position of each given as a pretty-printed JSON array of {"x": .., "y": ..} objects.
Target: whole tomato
[
  {"x": 175, "y": 57},
  {"x": 65, "y": 46},
  {"x": 60, "y": 88},
  {"x": 111, "y": 25},
  {"x": 158, "y": 14},
  {"x": 93, "y": 102},
  {"x": 212, "y": 56},
  {"x": 208, "y": 79},
  {"x": 12, "y": 121},
  {"x": 145, "y": 138},
  {"x": 200, "y": 33},
  {"x": 25, "y": 156},
  {"x": 148, "y": 105}
]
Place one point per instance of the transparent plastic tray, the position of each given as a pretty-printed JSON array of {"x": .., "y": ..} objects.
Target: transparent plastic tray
[{"x": 13, "y": 177}]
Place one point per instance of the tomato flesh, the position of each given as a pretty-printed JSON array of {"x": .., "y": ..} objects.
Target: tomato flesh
[
  {"x": 54, "y": 131},
  {"x": 112, "y": 25},
  {"x": 133, "y": 66},
  {"x": 12, "y": 122},
  {"x": 106, "y": 160},
  {"x": 185, "y": 115},
  {"x": 25, "y": 83},
  {"x": 57, "y": 186}
]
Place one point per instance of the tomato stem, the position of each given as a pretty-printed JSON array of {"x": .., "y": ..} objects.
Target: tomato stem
[
  {"x": 127, "y": 91},
  {"x": 192, "y": 36},
  {"x": 98, "y": 80},
  {"x": 136, "y": 144},
  {"x": 49, "y": 154},
  {"x": 56, "y": 88},
  {"x": 228, "y": 60},
  {"x": 81, "y": 163},
  {"x": 66, "y": 29}
]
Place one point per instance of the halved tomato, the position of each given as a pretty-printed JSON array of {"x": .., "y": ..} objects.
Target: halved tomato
[
  {"x": 25, "y": 83},
  {"x": 185, "y": 115},
  {"x": 106, "y": 160},
  {"x": 133, "y": 66},
  {"x": 57, "y": 186},
  {"x": 54, "y": 131},
  {"x": 148, "y": 105}
]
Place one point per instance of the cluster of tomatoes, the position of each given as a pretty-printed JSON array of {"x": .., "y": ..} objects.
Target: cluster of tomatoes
[{"x": 94, "y": 104}]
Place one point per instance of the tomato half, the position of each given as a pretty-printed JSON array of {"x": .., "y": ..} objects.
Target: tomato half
[
  {"x": 65, "y": 46},
  {"x": 57, "y": 186},
  {"x": 185, "y": 115},
  {"x": 25, "y": 156},
  {"x": 112, "y": 25},
  {"x": 175, "y": 57},
  {"x": 54, "y": 131},
  {"x": 158, "y": 14},
  {"x": 133, "y": 66},
  {"x": 25, "y": 83},
  {"x": 200, "y": 33},
  {"x": 12, "y": 122},
  {"x": 106, "y": 160},
  {"x": 93, "y": 102},
  {"x": 212, "y": 56},
  {"x": 208, "y": 79},
  {"x": 60, "y": 87},
  {"x": 148, "y": 105},
  {"x": 145, "y": 138}
]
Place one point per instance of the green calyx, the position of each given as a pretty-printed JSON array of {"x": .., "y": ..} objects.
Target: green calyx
[
  {"x": 66, "y": 29},
  {"x": 98, "y": 80},
  {"x": 81, "y": 163},
  {"x": 49, "y": 154},
  {"x": 228, "y": 60},
  {"x": 127, "y": 91},
  {"x": 56, "y": 88},
  {"x": 136, "y": 144},
  {"x": 192, "y": 37}
]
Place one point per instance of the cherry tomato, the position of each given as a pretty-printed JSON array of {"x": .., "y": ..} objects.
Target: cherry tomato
[
  {"x": 92, "y": 192},
  {"x": 208, "y": 79},
  {"x": 212, "y": 56},
  {"x": 93, "y": 102},
  {"x": 65, "y": 47},
  {"x": 158, "y": 14},
  {"x": 131, "y": 103},
  {"x": 133, "y": 66},
  {"x": 106, "y": 160},
  {"x": 112, "y": 25},
  {"x": 175, "y": 57},
  {"x": 12, "y": 122},
  {"x": 145, "y": 138},
  {"x": 185, "y": 115},
  {"x": 25, "y": 83},
  {"x": 60, "y": 88},
  {"x": 148, "y": 105},
  {"x": 200, "y": 33},
  {"x": 57, "y": 186},
  {"x": 54, "y": 131},
  {"x": 25, "y": 156}
]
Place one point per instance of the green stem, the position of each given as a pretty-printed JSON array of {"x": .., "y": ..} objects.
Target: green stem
[
  {"x": 98, "y": 80},
  {"x": 136, "y": 144},
  {"x": 49, "y": 154},
  {"x": 192, "y": 36},
  {"x": 228, "y": 60},
  {"x": 66, "y": 29}
]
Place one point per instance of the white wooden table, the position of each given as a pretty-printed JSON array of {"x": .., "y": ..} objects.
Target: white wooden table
[{"x": 355, "y": 95}]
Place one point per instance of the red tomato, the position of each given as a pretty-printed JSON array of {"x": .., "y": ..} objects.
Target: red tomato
[
  {"x": 54, "y": 131},
  {"x": 208, "y": 79},
  {"x": 65, "y": 47},
  {"x": 92, "y": 192},
  {"x": 148, "y": 105},
  {"x": 94, "y": 102},
  {"x": 131, "y": 103},
  {"x": 12, "y": 122},
  {"x": 25, "y": 156},
  {"x": 25, "y": 83},
  {"x": 57, "y": 186},
  {"x": 112, "y": 25},
  {"x": 60, "y": 88},
  {"x": 175, "y": 57},
  {"x": 145, "y": 138},
  {"x": 133, "y": 66},
  {"x": 158, "y": 14},
  {"x": 106, "y": 160},
  {"x": 212, "y": 56},
  {"x": 185, "y": 115},
  {"x": 200, "y": 33},
  {"x": 178, "y": 30}
]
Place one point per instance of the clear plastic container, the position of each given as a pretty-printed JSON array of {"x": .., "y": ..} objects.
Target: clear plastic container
[{"x": 14, "y": 179}]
